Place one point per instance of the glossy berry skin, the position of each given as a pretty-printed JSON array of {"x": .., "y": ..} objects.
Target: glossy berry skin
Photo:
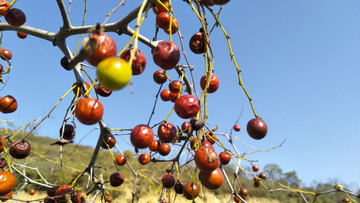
[
  {"x": 1, "y": 68},
  {"x": 15, "y": 17},
  {"x": 64, "y": 62},
  {"x": 186, "y": 127},
  {"x": 89, "y": 111},
  {"x": 20, "y": 149},
  {"x": 243, "y": 193},
  {"x": 166, "y": 55},
  {"x": 208, "y": 2},
  {"x": 154, "y": 146},
  {"x": 21, "y": 35},
  {"x": 257, "y": 128},
  {"x": 179, "y": 187},
  {"x": 107, "y": 48},
  {"x": 109, "y": 141},
  {"x": 159, "y": 76},
  {"x": 7, "y": 182},
  {"x": 187, "y": 106},
  {"x": 141, "y": 136},
  {"x": 102, "y": 91},
  {"x": 139, "y": 61},
  {"x": 167, "y": 132},
  {"x": 61, "y": 191},
  {"x": 4, "y": 7},
  {"x": 8, "y": 104},
  {"x": 79, "y": 87},
  {"x": 32, "y": 191},
  {"x": 213, "y": 85},
  {"x": 206, "y": 158},
  {"x": 164, "y": 149},
  {"x": 165, "y": 95},
  {"x": 6, "y": 54},
  {"x": 173, "y": 96},
  {"x": 69, "y": 132},
  {"x": 144, "y": 158},
  {"x": 237, "y": 128},
  {"x": 225, "y": 157},
  {"x": 220, "y": 2},
  {"x": 198, "y": 43},
  {"x": 174, "y": 26},
  {"x": 121, "y": 160},
  {"x": 211, "y": 180},
  {"x": 116, "y": 179},
  {"x": 159, "y": 8},
  {"x": 175, "y": 86},
  {"x": 262, "y": 175},
  {"x": 163, "y": 20},
  {"x": 255, "y": 168},
  {"x": 210, "y": 137},
  {"x": 194, "y": 143},
  {"x": 168, "y": 181},
  {"x": 191, "y": 191}
]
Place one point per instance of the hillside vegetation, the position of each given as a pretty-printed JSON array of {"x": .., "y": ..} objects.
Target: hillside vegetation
[{"x": 46, "y": 158}]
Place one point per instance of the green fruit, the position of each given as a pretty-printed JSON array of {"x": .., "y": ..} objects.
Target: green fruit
[{"x": 114, "y": 73}]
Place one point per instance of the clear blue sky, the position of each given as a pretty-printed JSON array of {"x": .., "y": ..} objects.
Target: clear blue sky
[{"x": 300, "y": 63}]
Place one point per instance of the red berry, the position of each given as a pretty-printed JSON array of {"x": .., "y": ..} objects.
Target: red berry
[
  {"x": 32, "y": 191},
  {"x": 175, "y": 86},
  {"x": 144, "y": 158},
  {"x": 15, "y": 17},
  {"x": 187, "y": 106},
  {"x": 166, "y": 55},
  {"x": 20, "y": 149},
  {"x": 89, "y": 111},
  {"x": 168, "y": 181},
  {"x": 262, "y": 175},
  {"x": 164, "y": 149},
  {"x": 121, "y": 160},
  {"x": 139, "y": 61},
  {"x": 225, "y": 157},
  {"x": 8, "y": 104},
  {"x": 213, "y": 84},
  {"x": 159, "y": 76},
  {"x": 186, "y": 127},
  {"x": 154, "y": 146},
  {"x": 107, "y": 48},
  {"x": 109, "y": 141},
  {"x": 167, "y": 132},
  {"x": 116, "y": 179},
  {"x": 257, "y": 128},
  {"x": 165, "y": 95},
  {"x": 141, "y": 136},
  {"x": 237, "y": 128}
]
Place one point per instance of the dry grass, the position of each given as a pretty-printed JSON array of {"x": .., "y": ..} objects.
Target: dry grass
[{"x": 208, "y": 197}]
